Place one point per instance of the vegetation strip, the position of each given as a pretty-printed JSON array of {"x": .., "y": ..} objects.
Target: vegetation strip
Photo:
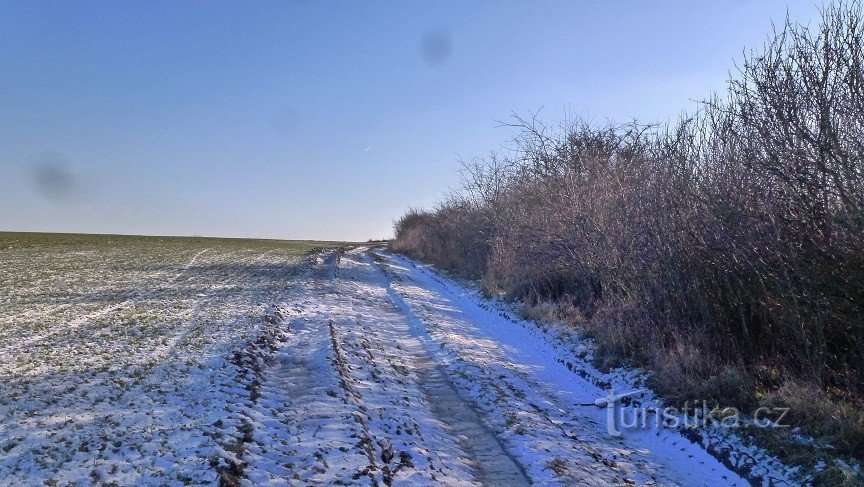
[{"x": 722, "y": 252}]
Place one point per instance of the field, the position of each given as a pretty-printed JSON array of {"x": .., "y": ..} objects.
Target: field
[{"x": 115, "y": 351}]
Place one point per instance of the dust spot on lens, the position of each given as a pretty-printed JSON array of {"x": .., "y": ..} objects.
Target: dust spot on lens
[
  {"x": 53, "y": 178},
  {"x": 436, "y": 46}
]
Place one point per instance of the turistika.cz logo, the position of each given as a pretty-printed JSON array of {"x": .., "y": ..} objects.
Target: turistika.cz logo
[{"x": 698, "y": 414}]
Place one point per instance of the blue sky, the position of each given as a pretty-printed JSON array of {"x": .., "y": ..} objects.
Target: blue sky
[{"x": 319, "y": 120}]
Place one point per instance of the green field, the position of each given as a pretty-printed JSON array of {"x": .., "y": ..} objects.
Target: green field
[{"x": 117, "y": 349}]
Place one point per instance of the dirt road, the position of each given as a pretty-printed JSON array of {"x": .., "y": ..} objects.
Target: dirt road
[{"x": 388, "y": 373}]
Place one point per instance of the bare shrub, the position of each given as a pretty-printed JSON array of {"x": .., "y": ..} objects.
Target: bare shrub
[{"x": 724, "y": 251}]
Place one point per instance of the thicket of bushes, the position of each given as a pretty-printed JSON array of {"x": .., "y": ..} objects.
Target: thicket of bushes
[{"x": 724, "y": 251}]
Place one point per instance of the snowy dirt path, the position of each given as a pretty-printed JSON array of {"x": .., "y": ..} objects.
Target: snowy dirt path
[{"x": 388, "y": 373}]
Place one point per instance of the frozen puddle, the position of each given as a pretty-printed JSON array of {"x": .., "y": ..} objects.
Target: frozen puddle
[{"x": 387, "y": 374}]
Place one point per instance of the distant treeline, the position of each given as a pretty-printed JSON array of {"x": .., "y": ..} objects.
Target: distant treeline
[{"x": 725, "y": 251}]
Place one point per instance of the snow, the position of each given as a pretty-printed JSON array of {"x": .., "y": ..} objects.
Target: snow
[
  {"x": 116, "y": 365},
  {"x": 350, "y": 367},
  {"x": 561, "y": 361},
  {"x": 342, "y": 402},
  {"x": 547, "y": 411}
]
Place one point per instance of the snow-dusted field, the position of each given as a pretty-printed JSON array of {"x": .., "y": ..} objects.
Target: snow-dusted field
[
  {"x": 116, "y": 356},
  {"x": 199, "y": 362}
]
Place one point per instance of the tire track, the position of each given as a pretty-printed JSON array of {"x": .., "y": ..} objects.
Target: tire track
[{"x": 490, "y": 462}]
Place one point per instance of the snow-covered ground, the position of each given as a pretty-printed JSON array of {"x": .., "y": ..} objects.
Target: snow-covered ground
[
  {"x": 116, "y": 360},
  {"x": 263, "y": 368},
  {"x": 391, "y": 373}
]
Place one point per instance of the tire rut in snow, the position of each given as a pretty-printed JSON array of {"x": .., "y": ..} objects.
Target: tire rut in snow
[
  {"x": 488, "y": 458},
  {"x": 491, "y": 463},
  {"x": 301, "y": 431},
  {"x": 352, "y": 395},
  {"x": 394, "y": 438},
  {"x": 353, "y": 398}
]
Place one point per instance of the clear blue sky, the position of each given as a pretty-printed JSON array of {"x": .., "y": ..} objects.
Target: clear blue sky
[{"x": 321, "y": 120}]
